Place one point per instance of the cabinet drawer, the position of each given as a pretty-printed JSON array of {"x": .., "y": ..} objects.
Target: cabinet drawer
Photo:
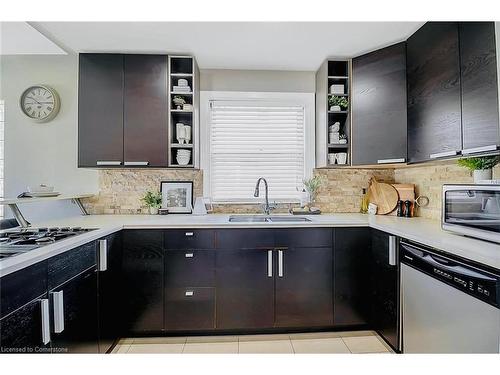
[
  {"x": 189, "y": 308},
  {"x": 21, "y": 287},
  {"x": 63, "y": 267},
  {"x": 189, "y": 239},
  {"x": 194, "y": 268},
  {"x": 304, "y": 237},
  {"x": 245, "y": 238}
]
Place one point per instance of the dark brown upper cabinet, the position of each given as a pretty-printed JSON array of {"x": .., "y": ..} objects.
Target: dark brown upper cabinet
[
  {"x": 478, "y": 62},
  {"x": 379, "y": 106},
  {"x": 434, "y": 100},
  {"x": 122, "y": 117},
  {"x": 100, "y": 110},
  {"x": 145, "y": 104}
]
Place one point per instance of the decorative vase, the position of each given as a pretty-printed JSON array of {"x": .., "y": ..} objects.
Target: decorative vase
[
  {"x": 482, "y": 174},
  {"x": 153, "y": 210}
]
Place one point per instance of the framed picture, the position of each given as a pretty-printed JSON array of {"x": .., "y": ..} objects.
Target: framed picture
[{"x": 177, "y": 196}]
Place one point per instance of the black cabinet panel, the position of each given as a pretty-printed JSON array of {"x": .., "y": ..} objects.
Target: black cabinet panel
[
  {"x": 80, "y": 315},
  {"x": 245, "y": 238},
  {"x": 110, "y": 294},
  {"x": 245, "y": 292},
  {"x": 142, "y": 281},
  {"x": 21, "y": 331},
  {"x": 384, "y": 281},
  {"x": 145, "y": 109},
  {"x": 433, "y": 78},
  {"x": 379, "y": 105},
  {"x": 195, "y": 268},
  {"x": 70, "y": 263},
  {"x": 479, "y": 84},
  {"x": 189, "y": 239},
  {"x": 100, "y": 109},
  {"x": 304, "y": 288},
  {"x": 351, "y": 272},
  {"x": 189, "y": 308},
  {"x": 304, "y": 237},
  {"x": 21, "y": 287}
]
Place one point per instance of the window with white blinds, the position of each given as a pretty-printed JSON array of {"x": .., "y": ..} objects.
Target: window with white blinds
[{"x": 252, "y": 139}]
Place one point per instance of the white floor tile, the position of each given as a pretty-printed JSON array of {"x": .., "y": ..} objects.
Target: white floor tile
[
  {"x": 156, "y": 348},
  {"x": 212, "y": 347},
  {"x": 365, "y": 344},
  {"x": 323, "y": 345},
  {"x": 269, "y": 347}
]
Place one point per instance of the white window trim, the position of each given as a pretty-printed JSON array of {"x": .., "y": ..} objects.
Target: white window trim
[{"x": 307, "y": 100}]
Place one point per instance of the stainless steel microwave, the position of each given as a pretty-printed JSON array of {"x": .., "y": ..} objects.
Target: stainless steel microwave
[{"x": 472, "y": 210}]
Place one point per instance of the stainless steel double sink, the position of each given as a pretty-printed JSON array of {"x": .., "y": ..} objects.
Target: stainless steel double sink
[{"x": 267, "y": 219}]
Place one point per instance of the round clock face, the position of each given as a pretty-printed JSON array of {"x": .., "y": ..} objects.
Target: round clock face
[{"x": 40, "y": 103}]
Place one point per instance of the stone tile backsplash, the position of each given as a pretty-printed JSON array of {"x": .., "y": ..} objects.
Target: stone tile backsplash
[{"x": 121, "y": 190}]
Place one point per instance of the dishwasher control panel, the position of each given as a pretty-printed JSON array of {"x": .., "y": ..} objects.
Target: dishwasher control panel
[{"x": 476, "y": 282}]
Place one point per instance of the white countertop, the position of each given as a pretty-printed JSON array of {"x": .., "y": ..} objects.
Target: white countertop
[
  {"x": 420, "y": 230},
  {"x": 6, "y": 201}
]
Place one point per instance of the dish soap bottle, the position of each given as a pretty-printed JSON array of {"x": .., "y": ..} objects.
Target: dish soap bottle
[{"x": 364, "y": 202}]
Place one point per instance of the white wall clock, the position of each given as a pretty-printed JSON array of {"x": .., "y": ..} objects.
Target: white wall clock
[{"x": 40, "y": 103}]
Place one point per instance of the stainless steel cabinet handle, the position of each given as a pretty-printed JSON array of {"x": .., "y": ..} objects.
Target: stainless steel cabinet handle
[
  {"x": 189, "y": 255},
  {"x": 58, "y": 300},
  {"x": 189, "y": 293},
  {"x": 474, "y": 150},
  {"x": 103, "y": 255},
  {"x": 136, "y": 163},
  {"x": 443, "y": 154},
  {"x": 269, "y": 263},
  {"x": 392, "y": 250},
  {"x": 108, "y": 162},
  {"x": 390, "y": 161},
  {"x": 280, "y": 263},
  {"x": 45, "y": 321},
  {"x": 189, "y": 234}
]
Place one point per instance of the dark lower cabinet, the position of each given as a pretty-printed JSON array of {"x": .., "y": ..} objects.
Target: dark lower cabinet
[
  {"x": 110, "y": 290},
  {"x": 434, "y": 102},
  {"x": 142, "y": 281},
  {"x": 189, "y": 308},
  {"x": 304, "y": 279},
  {"x": 245, "y": 289},
  {"x": 384, "y": 282},
  {"x": 478, "y": 61},
  {"x": 21, "y": 331},
  {"x": 351, "y": 296},
  {"x": 74, "y": 327},
  {"x": 379, "y": 106}
]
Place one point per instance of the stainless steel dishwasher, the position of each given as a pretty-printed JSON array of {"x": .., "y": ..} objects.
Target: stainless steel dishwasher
[{"x": 448, "y": 305}]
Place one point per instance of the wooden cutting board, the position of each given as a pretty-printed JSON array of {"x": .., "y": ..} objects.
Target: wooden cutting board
[
  {"x": 385, "y": 196},
  {"x": 405, "y": 192}
]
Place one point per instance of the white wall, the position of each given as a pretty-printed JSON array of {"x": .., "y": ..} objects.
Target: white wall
[
  {"x": 43, "y": 153},
  {"x": 257, "y": 80}
]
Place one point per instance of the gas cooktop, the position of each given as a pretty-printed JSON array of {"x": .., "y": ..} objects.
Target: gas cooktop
[{"x": 23, "y": 240}]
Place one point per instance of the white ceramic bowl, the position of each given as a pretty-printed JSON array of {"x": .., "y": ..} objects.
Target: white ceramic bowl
[{"x": 40, "y": 189}]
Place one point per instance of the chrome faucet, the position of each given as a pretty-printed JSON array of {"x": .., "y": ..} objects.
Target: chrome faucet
[{"x": 267, "y": 208}]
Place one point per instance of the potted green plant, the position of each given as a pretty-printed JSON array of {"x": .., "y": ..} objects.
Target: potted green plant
[
  {"x": 152, "y": 200},
  {"x": 179, "y": 101},
  {"x": 481, "y": 167},
  {"x": 338, "y": 103},
  {"x": 312, "y": 186}
]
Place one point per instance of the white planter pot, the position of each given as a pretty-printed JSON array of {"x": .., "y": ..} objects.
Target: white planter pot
[
  {"x": 485, "y": 174},
  {"x": 153, "y": 210}
]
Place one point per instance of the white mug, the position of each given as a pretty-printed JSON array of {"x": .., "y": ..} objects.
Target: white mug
[
  {"x": 342, "y": 158},
  {"x": 332, "y": 158}
]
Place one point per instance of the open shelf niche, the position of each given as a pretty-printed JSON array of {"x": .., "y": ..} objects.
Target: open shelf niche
[
  {"x": 336, "y": 73},
  {"x": 183, "y": 69}
]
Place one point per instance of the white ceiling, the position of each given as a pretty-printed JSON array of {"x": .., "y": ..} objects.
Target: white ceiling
[
  {"x": 19, "y": 38},
  {"x": 233, "y": 45}
]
